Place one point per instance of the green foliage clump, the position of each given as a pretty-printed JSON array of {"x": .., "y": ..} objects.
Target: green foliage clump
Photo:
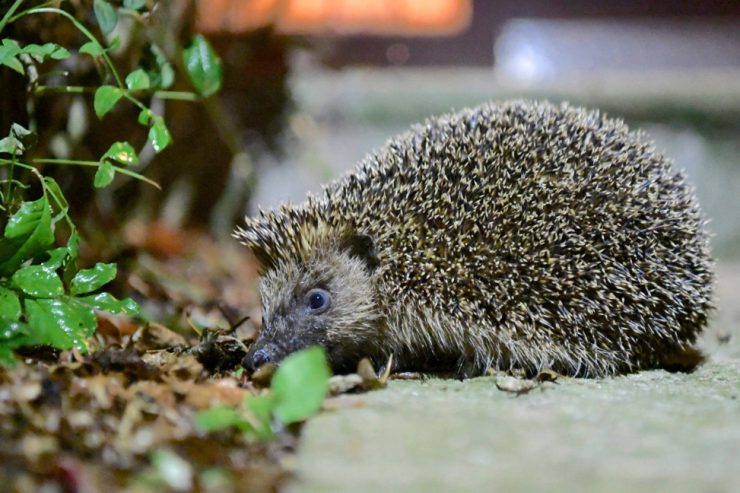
[
  {"x": 45, "y": 298},
  {"x": 297, "y": 391}
]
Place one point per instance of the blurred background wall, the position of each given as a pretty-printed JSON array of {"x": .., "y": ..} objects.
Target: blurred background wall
[
  {"x": 311, "y": 86},
  {"x": 365, "y": 70}
]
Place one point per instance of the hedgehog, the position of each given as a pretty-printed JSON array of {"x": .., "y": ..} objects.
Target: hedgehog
[{"x": 519, "y": 236}]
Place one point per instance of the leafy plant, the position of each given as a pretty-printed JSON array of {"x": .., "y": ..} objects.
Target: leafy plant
[
  {"x": 45, "y": 299},
  {"x": 298, "y": 388}
]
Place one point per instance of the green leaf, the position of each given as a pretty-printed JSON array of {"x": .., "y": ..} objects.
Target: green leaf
[
  {"x": 133, "y": 4},
  {"x": 159, "y": 136},
  {"x": 300, "y": 385},
  {"x": 137, "y": 80},
  {"x": 218, "y": 418},
  {"x": 37, "y": 52},
  {"x": 9, "y": 50},
  {"x": 28, "y": 233},
  {"x": 73, "y": 245},
  {"x": 88, "y": 280},
  {"x": 10, "y": 309},
  {"x": 261, "y": 407},
  {"x": 122, "y": 152},
  {"x": 60, "y": 53},
  {"x": 106, "y": 16},
  {"x": 26, "y": 219},
  {"x": 70, "y": 266},
  {"x": 105, "y": 174},
  {"x": 105, "y": 98},
  {"x": 11, "y": 46},
  {"x": 19, "y": 140},
  {"x": 27, "y": 137},
  {"x": 12, "y": 330},
  {"x": 53, "y": 189},
  {"x": 7, "y": 358},
  {"x": 63, "y": 323},
  {"x": 108, "y": 303},
  {"x": 9, "y": 145},
  {"x": 114, "y": 44},
  {"x": 40, "y": 52},
  {"x": 37, "y": 281},
  {"x": 203, "y": 66},
  {"x": 162, "y": 76},
  {"x": 145, "y": 116},
  {"x": 92, "y": 48},
  {"x": 57, "y": 257},
  {"x": 13, "y": 63}
]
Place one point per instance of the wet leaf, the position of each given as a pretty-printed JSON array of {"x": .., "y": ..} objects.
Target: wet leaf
[
  {"x": 159, "y": 136},
  {"x": 145, "y": 116},
  {"x": 88, "y": 280},
  {"x": 300, "y": 385},
  {"x": 63, "y": 323},
  {"x": 59, "y": 200},
  {"x": 73, "y": 245},
  {"x": 122, "y": 152},
  {"x": 104, "y": 175},
  {"x": 203, "y": 66},
  {"x": 12, "y": 330},
  {"x": 37, "y": 281},
  {"x": 26, "y": 219},
  {"x": 137, "y": 80},
  {"x": 7, "y": 358},
  {"x": 28, "y": 233},
  {"x": 10, "y": 308},
  {"x": 108, "y": 303},
  {"x": 57, "y": 258},
  {"x": 105, "y": 98}
]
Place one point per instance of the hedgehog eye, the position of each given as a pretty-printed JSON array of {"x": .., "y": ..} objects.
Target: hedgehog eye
[{"x": 317, "y": 300}]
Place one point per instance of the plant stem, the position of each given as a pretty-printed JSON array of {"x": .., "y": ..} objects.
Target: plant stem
[
  {"x": 81, "y": 28},
  {"x": 48, "y": 90},
  {"x": 9, "y": 190},
  {"x": 177, "y": 95},
  {"x": 171, "y": 95},
  {"x": 4, "y": 21},
  {"x": 131, "y": 98},
  {"x": 68, "y": 162},
  {"x": 123, "y": 171},
  {"x": 16, "y": 163},
  {"x": 62, "y": 208},
  {"x": 138, "y": 176}
]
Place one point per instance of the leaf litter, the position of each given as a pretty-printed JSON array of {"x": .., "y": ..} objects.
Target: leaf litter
[{"x": 124, "y": 416}]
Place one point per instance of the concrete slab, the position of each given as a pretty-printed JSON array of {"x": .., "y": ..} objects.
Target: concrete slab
[{"x": 652, "y": 431}]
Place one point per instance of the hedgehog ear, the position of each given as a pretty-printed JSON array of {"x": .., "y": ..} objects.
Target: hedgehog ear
[{"x": 361, "y": 246}]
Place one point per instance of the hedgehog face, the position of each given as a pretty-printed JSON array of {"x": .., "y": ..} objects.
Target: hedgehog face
[{"x": 327, "y": 300}]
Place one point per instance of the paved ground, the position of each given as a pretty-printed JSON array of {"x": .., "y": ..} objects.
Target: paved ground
[{"x": 652, "y": 431}]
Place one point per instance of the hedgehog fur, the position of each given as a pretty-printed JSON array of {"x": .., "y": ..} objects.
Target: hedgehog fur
[{"x": 521, "y": 235}]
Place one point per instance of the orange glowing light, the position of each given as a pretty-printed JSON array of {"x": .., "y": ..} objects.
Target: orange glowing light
[{"x": 390, "y": 17}]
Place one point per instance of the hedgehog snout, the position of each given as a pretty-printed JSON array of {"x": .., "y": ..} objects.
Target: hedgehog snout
[{"x": 259, "y": 356}]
